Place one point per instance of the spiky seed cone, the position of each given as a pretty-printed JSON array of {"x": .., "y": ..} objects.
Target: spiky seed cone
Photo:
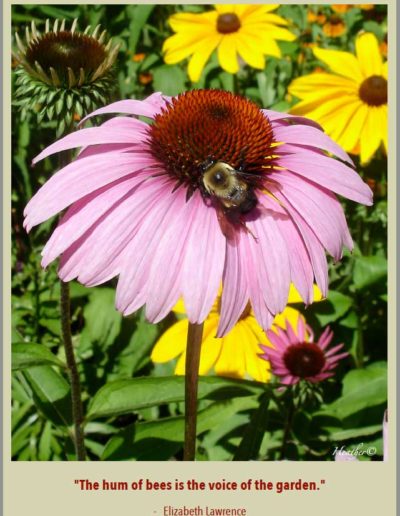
[{"x": 62, "y": 74}]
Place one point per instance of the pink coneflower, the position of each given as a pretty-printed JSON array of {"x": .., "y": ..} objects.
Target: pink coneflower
[
  {"x": 214, "y": 190},
  {"x": 296, "y": 357}
]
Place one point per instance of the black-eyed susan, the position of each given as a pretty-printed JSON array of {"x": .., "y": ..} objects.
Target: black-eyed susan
[
  {"x": 341, "y": 8},
  {"x": 234, "y": 355},
  {"x": 351, "y": 102},
  {"x": 334, "y": 26},
  {"x": 247, "y": 32},
  {"x": 316, "y": 16}
]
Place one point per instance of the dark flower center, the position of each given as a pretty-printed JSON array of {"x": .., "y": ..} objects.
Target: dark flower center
[
  {"x": 227, "y": 23},
  {"x": 373, "y": 91},
  {"x": 335, "y": 20},
  {"x": 212, "y": 125},
  {"x": 304, "y": 360},
  {"x": 63, "y": 50}
]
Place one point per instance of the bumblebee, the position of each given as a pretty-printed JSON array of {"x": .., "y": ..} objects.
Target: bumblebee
[{"x": 226, "y": 184}]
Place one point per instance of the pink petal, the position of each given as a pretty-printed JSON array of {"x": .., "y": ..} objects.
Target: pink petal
[
  {"x": 203, "y": 263},
  {"x": 303, "y": 135},
  {"x": 283, "y": 118},
  {"x": 84, "y": 213},
  {"x": 148, "y": 107},
  {"x": 325, "y": 338},
  {"x": 165, "y": 278},
  {"x": 139, "y": 255},
  {"x": 319, "y": 208},
  {"x": 235, "y": 288},
  {"x": 301, "y": 271},
  {"x": 132, "y": 131},
  {"x": 272, "y": 261},
  {"x": 97, "y": 255},
  {"x": 255, "y": 283},
  {"x": 313, "y": 246},
  {"x": 329, "y": 173},
  {"x": 78, "y": 179}
]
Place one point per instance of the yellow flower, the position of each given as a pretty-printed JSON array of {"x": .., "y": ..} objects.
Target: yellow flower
[
  {"x": 351, "y": 102},
  {"x": 234, "y": 355},
  {"x": 334, "y": 27},
  {"x": 341, "y": 8},
  {"x": 248, "y": 30}
]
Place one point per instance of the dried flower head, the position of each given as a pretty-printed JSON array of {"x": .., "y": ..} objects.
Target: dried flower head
[{"x": 62, "y": 72}]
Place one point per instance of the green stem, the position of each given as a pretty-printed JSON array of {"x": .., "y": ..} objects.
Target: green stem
[
  {"x": 194, "y": 338},
  {"x": 288, "y": 425},
  {"x": 77, "y": 411}
]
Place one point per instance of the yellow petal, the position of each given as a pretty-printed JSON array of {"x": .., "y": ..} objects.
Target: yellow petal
[
  {"x": 244, "y": 9},
  {"x": 336, "y": 122},
  {"x": 368, "y": 54},
  {"x": 371, "y": 136},
  {"x": 227, "y": 55},
  {"x": 385, "y": 70},
  {"x": 294, "y": 296},
  {"x": 189, "y": 22},
  {"x": 349, "y": 138},
  {"x": 255, "y": 366},
  {"x": 319, "y": 83},
  {"x": 342, "y": 63},
  {"x": 179, "y": 47},
  {"x": 258, "y": 17},
  {"x": 384, "y": 125},
  {"x": 250, "y": 52},
  {"x": 179, "y": 308},
  {"x": 270, "y": 31},
  {"x": 201, "y": 56},
  {"x": 327, "y": 107},
  {"x": 289, "y": 314},
  {"x": 171, "y": 343},
  {"x": 231, "y": 361},
  {"x": 210, "y": 351},
  {"x": 265, "y": 44}
]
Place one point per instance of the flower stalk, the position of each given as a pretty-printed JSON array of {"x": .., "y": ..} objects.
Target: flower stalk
[
  {"x": 194, "y": 339},
  {"x": 77, "y": 410}
]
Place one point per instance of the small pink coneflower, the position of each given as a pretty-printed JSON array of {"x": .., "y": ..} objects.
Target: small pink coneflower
[
  {"x": 296, "y": 357},
  {"x": 139, "y": 206}
]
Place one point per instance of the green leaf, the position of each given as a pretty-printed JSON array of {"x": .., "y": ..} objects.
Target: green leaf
[
  {"x": 124, "y": 396},
  {"x": 352, "y": 433},
  {"x": 51, "y": 394},
  {"x": 160, "y": 440},
  {"x": 138, "y": 15},
  {"x": 332, "y": 308},
  {"x": 45, "y": 442},
  {"x": 28, "y": 355},
  {"x": 362, "y": 388},
  {"x": 254, "y": 432},
  {"x": 102, "y": 320},
  {"x": 169, "y": 79},
  {"x": 369, "y": 270}
]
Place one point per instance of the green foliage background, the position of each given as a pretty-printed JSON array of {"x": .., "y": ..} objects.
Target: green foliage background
[{"x": 134, "y": 408}]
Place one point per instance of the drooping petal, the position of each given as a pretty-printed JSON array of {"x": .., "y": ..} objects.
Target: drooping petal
[
  {"x": 235, "y": 288},
  {"x": 148, "y": 107},
  {"x": 203, "y": 264},
  {"x": 128, "y": 130},
  {"x": 329, "y": 173},
  {"x": 319, "y": 208},
  {"x": 300, "y": 135},
  {"x": 78, "y": 179},
  {"x": 84, "y": 213},
  {"x": 96, "y": 256}
]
